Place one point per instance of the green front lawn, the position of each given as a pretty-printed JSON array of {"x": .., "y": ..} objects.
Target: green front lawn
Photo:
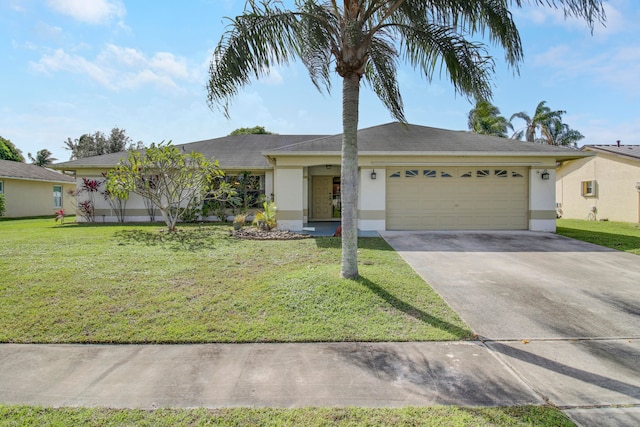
[
  {"x": 139, "y": 284},
  {"x": 622, "y": 236},
  {"x": 430, "y": 416}
]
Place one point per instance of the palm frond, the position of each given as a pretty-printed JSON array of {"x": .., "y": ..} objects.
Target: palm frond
[
  {"x": 318, "y": 41},
  {"x": 381, "y": 74},
  {"x": 262, "y": 37},
  {"x": 467, "y": 63},
  {"x": 591, "y": 10}
]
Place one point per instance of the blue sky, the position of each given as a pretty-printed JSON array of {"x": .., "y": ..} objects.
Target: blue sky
[{"x": 79, "y": 66}]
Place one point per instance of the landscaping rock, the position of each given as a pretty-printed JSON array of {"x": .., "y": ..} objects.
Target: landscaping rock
[{"x": 256, "y": 234}]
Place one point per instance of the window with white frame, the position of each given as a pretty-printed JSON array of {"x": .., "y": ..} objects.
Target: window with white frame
[
  {"x": 57, "y": 196},
  {"x": 1, "y": 187},
  {"x": 588, "y": 188}
]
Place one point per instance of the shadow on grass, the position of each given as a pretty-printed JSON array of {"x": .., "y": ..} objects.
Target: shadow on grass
[
  {"x": 190, "y": 239},
  {"x": 416, "y": 313},
  {"x": 621, "y": 242},
  {"x": 375, "y": 243}
]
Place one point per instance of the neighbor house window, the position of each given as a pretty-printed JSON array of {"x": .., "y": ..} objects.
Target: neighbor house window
[
  {"x": 57, "y": 196},
  {"x": 1, "y": 187},
  {"x": 588, "y": 188}
]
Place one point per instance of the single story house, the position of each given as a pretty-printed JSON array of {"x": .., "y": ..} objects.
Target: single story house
[
  {"x": 605, "y": 185},
  {"x": 31, "y": 190},
  {"x": 410, "y": 178}
]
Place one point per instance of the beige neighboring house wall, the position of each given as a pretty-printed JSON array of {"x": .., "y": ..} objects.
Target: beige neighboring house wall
[
  {"x": 613, "y": 175},
  {"x": 29, "y": 190}
]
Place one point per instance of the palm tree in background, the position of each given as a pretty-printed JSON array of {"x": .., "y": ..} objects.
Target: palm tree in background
[
  {"x": 561, "y": 134},
  {"x": 43, "y": 158},
  {"x": 364, "y": 40},
  {"x": 537, "y": 126},
  {"x": 485, "y": 119}
]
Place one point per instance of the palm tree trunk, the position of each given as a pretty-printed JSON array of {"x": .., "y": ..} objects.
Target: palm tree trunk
[{"x": 349, "y": 179}]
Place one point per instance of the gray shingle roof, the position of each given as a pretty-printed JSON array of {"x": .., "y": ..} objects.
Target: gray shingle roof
[
  {"x": 232, "y": 152},
  {"x": 19, "y": 170},
  {"x": 632, "y": 151},
  {"x": 248, "y": 151},
  {"x": 402, "y": 139}
]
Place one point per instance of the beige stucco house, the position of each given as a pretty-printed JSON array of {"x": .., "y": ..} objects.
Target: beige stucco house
[
  {"x": 410, "y": 178},
  {"x": 31, "y": 190},
  {"x": 605, "y": 185}
]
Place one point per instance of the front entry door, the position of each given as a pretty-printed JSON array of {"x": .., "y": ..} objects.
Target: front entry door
[{"x": 322, "y": 189}]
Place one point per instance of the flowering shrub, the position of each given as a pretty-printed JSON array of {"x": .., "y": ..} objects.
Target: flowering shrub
[
  {"x": 60, "y": 216},
  {"x": 86, "y": 210}
]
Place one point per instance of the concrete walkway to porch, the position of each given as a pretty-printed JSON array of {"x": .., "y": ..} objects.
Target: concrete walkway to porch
[{"x": 328, "y": 228}]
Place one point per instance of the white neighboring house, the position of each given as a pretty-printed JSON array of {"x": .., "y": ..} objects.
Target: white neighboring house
[
  {"x": 603, "y": 186},
  {"x": 411, "y": 178}
]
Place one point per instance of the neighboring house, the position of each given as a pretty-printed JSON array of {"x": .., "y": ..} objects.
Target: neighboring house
[
  {"x": 411, "y": 178},
  {"x": 31, "y": 190},
  {"x": 604, "y": 186}
]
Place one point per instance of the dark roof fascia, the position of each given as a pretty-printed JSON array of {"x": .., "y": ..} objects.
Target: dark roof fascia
[{"x": 605, "y": 149}]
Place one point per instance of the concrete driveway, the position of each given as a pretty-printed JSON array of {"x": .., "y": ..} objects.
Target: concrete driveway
[{"x": 563, "y": 314}]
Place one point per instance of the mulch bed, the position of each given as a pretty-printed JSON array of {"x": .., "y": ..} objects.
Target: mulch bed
[{"x": 252, "y": 233}]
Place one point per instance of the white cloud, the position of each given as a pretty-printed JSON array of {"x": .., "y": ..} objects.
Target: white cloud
[
  {"x": 90, "y": 11},
  {"x": 47, "y": 32},
  {"x": 618, "y": 66},
  {"x": 117, "y": 67},
  {"x": 59, "y": 60},
  {"x": 167, "y": 63}
]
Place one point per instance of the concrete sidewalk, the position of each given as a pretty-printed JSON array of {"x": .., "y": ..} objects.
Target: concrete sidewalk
[{"x": 275, "y": 375}]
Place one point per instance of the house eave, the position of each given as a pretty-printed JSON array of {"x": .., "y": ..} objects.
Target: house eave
[
  {"x": 387, "y": 154},
  {"x": 53, "y": 181}
]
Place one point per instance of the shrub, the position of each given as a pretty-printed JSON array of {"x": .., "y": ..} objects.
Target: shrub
[
  {"x": 266, "y": 219},
  {"x": 2, "y": 204}
]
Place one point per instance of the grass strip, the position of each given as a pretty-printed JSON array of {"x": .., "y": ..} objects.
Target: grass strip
[
  {"x": 622, "y": 236},
  {"x": 410, "y": 416}
]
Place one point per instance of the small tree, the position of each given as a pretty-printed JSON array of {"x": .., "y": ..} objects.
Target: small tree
[
  {"x": 96, "y": 144},
  {"x": 8, "y": 151},
  {"x": 172, "y": 180},
  {"x": 256, "y": 130}
]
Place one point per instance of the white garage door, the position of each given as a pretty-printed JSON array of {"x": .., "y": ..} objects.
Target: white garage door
[{"x": 457, "y": 198}]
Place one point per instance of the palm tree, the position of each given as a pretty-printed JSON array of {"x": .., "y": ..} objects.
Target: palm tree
[
  {"x": 43, "y": 158},
  {"x": 561, "y": 134},
  {"x": 365, "y": 39},
  {"x": 485, "y": 119},
  {"x": 540, "y": 122}
]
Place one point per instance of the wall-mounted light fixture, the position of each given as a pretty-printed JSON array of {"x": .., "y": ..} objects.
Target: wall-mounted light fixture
[
  {"x": 328, "y": 166},
  {"x": 545, "y": 175},
  {"x": 373, "y": 174}
]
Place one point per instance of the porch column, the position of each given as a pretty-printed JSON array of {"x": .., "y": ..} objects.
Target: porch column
[
  {"x": 542, "y": 200},
  {"x": 372, "y": 203},
  {"x": 289, "y": 197}
]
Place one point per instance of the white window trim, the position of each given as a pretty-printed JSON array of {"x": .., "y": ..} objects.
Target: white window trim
[
  {"x": 584, "y": 188},
  {"x": 54, "y": 196}
]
